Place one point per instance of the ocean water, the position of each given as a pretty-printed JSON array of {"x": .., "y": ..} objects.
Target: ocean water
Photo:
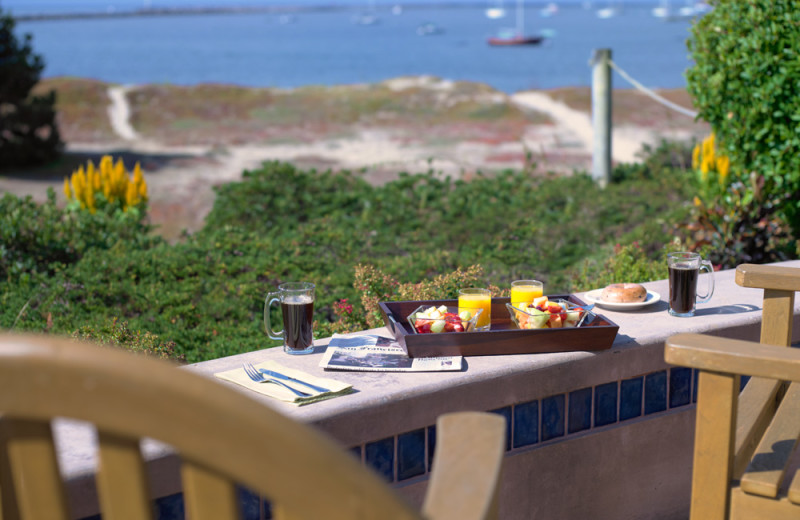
[{"x": 326, "y": 47}]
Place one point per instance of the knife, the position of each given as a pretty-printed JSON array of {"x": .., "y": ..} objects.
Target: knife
[{"x": 287, "y": 378}]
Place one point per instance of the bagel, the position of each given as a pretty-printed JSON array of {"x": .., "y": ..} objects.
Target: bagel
[{"x": 624, "y": 293}]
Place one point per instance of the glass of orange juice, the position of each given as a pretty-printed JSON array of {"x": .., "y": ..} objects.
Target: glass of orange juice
[
  {"x": 471, "y": 300},
  {"x": 524, "y": 291}
]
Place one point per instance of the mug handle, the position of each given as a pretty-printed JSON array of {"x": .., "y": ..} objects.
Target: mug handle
[
  {"x": 705, "y": 264},
  {"x": 268, "y": 301}
]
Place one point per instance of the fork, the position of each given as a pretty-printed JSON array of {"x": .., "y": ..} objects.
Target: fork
[{"x": 258, "y": 377}]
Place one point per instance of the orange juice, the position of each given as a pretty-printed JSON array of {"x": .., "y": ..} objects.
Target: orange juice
[
  {"x": 524, "y": 291},
  {"x": 474, "y": 299}
]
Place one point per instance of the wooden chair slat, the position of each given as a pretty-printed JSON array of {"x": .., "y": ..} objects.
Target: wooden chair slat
[
  {"x": 480, "y": 454},
  {"x": 765, "y": 472},
  {"x": 768, "y": 277},
  {"x": 34, "y": 470},
  {"x": 207, "y": 495},
  {"x": 715, "y": 354},
  {"x": 776, "y": 321},
  {"x": 9, "y": 509},
  {"x": 757, "y": 404},
  {"x": 713, "y": 455},
  {"x": 122, "y": 481},
  {"x": 794, "y": 489},
  {"x": 755, "y": 507}
]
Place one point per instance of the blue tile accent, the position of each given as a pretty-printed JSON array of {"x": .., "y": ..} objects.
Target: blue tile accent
[
  {"x": 580, "y": 410},
  {"x": 431, "y": 445},
  {"x": 743, "y": 382},
  {"x": 526, "y": 424},
  {"x": 170, "y": 507},
  {"x": 553, "y": 417},
  {"x": 506, "y": 412},
  {"x": 249, "y": 504},
  {"x": 411, "y": 454},
  {"x": 630, "y": 398},
  {"x": 95, "y": 517},
  {"x": 380, "y": 456},
  {"x": 605, "y": 404},
  {"x": 680, "y": 386},
  {"x": 655, "y": 392},
  {"x": 695, "y": 378}
]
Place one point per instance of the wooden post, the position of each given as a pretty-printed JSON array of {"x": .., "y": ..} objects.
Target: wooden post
[{"x": 601, "y": 116}]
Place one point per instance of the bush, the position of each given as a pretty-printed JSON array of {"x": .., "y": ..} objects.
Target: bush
[
  {"x": 28, "y": 131},
  {"x": 746, "y": 83},
  {"x": 422, "y": 236},
  {"x": 735, "y": 219},
  {"x": 119, "y": 335},
  {"x": 44, "y": 238}
]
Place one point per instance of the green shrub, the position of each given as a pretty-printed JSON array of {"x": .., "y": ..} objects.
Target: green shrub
[
  {"x": 627, "y": 264},
  {"x": 745, "y": 82},
  {"x": 119, "y": 335},
  {"x": 43, "y": 238},
  {"x": 419, "y": 234}
]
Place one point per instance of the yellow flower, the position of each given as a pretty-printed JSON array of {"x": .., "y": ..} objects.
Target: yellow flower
[
  {"x": 67, "y": 190},
  {"x": 696, "y": 157},
  {"x": 723, "y": 168},
  {"x": 131, "y": 196},
  {"x": 697, "y": 201}
]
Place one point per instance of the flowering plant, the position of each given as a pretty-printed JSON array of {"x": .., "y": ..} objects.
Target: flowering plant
[
  {"x": 733, "y": 213},
  {"x": 107, "y": 187}
]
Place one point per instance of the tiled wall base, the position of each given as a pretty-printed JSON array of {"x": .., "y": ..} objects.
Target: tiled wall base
[{"x": 584, "y": 415}]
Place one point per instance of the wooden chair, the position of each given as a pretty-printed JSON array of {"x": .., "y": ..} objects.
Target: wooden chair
[
  {"x": 744, "y": 460},
  {"x": 223, "y": 438}
]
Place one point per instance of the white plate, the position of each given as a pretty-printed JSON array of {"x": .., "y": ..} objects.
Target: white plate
[{"x": 594, "y": 297}]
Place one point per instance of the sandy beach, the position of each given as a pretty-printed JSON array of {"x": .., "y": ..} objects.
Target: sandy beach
[{"x": 456, "y": 129}]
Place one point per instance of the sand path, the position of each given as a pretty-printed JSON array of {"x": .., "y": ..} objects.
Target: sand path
[
  {"x": 579, "y": 125},
  {"x": 182, "y": 179}
]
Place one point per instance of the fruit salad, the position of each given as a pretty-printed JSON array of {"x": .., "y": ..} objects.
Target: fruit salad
[
  {"x": 434, "y": 320},
  {"x": 546, "y": 314}
]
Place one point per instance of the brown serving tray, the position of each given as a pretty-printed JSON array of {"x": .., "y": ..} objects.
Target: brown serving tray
[{"x": 503, "y": 338}]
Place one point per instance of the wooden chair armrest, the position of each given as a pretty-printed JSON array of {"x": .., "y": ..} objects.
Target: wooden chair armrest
[
  {"x": 768, "y": 277},
  {"x": 733, "y": 356},
  {"x": 469, "y": 455}
]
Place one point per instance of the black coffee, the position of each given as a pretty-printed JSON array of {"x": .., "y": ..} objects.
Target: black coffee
[
  {"x": 682, "y": 288},
  {"x": 298, "y": 315}
]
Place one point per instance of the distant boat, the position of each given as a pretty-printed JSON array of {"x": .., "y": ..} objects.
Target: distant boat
[
  {"x": 367, "y": 17},
  {"x": 607, "y": 12},
  {"x": 495, "y": 10},
  {"x": 397, "y": 9},
  {"x": 429, "y": 29},
  {"x": 687, "y": 12},
  {"x": 548, "y": 10},
  {"x": 516, "y": 36}
]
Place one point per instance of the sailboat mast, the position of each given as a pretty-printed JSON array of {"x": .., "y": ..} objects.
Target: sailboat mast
[{"x": 520, "y": 18}]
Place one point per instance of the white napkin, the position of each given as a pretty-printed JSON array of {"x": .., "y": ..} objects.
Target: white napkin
[{"x": 337, "y": 388}]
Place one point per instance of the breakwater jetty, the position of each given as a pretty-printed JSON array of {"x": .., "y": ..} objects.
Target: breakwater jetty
[{"x": 178, "y": 11}]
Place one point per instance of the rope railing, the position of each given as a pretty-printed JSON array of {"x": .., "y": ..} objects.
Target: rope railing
[{"x": 650, "y": 93}]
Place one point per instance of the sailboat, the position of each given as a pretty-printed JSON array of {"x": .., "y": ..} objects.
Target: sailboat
[
  {"x": 516, "y": 36},
  {"x": 496, "y": 10}
]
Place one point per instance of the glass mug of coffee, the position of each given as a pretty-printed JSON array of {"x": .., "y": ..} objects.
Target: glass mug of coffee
[
  {"x": 297, "y": 308},
  {"x": 684, "y": 270}
]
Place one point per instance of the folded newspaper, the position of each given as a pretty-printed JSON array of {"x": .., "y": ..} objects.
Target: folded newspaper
[{"x": 379, "y": 354}]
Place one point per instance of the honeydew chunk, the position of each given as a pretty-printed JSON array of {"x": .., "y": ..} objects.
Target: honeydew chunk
[
  {"x": 538, "y": 319},
  {"x": 437, "y": 326}
]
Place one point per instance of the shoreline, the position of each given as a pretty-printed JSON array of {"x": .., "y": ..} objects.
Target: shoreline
[{"x": 190, "y": 139}]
